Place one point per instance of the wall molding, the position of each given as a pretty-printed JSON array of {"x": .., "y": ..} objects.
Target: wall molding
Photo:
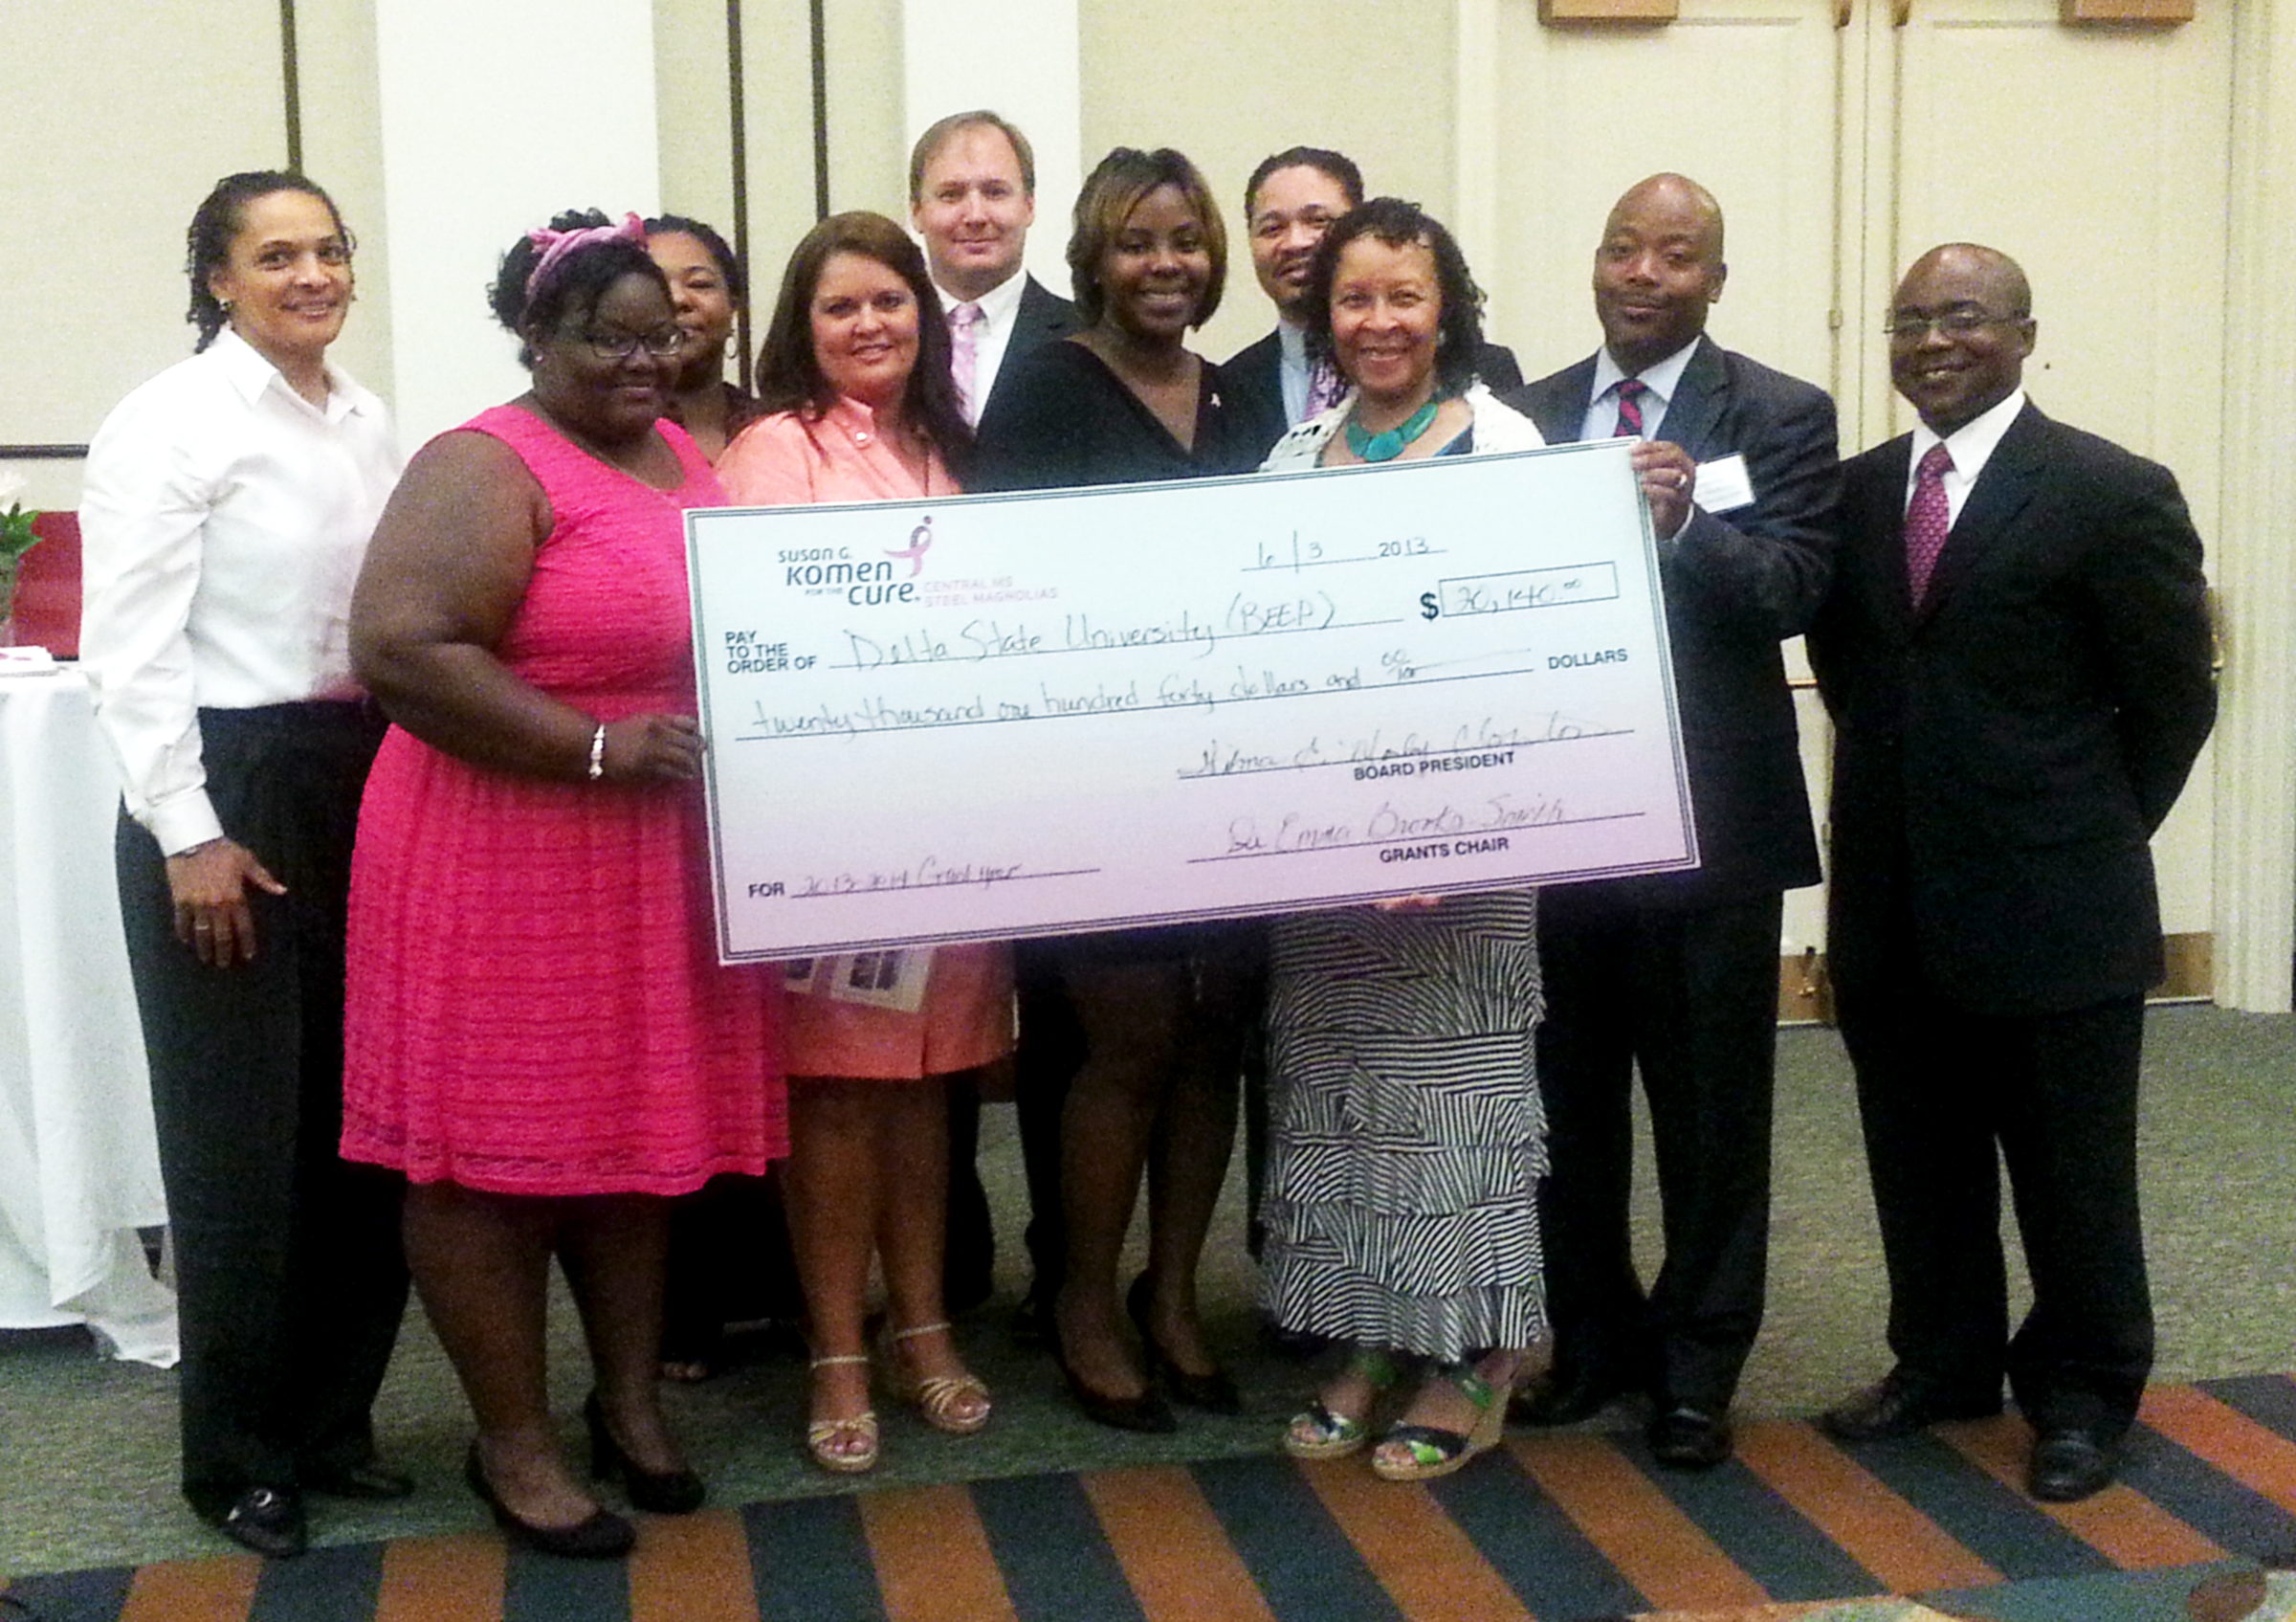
[
  {"x": 2255, "y": 552},
  {"x": 291, "y": 86}
]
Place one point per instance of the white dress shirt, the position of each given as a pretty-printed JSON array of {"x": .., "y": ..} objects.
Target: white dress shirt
[
  {"x": 223, "y": 521},
  {"x": 1601, "y": 421},
  {"x": 1972, "y": 446},
  {"x": 1000, "y": 313}
]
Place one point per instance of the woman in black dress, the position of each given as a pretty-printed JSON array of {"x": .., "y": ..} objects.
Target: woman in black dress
[{"x": 1165, "y": 1011}]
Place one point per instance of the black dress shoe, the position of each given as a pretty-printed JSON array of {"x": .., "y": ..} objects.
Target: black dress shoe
[
  {"x": 1212, "y": 1393},
  {"x": 1899, "y": 1407},
  {"x": 369, "y": 1478},
  {"x": 657, "y": 1492},
  {"x": 268, "y": 1520},
  {"x": 1685, "y": 1437},
  {"x": 2071, "y": 1463},
  {"x": 601, "y": 1535},
  {"x": 1569, "y": 1393}
]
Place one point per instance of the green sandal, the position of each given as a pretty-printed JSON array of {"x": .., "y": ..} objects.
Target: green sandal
[
  {"x": 1421, "y": 1453},
  {"x": 1319, "y": 1433}
]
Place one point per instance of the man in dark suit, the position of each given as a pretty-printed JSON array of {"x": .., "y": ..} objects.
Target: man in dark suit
[
  {"x": 1677, "y": 973},
  {"x": 2016, "y": 654},
  {"x": 1290, "y": 202},
  {"x": 972, "y": 197}
]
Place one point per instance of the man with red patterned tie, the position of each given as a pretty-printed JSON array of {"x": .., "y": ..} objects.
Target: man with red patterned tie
[
  {"x": 2016, "y": 654},
  {"x": 1675, "y": 975}
]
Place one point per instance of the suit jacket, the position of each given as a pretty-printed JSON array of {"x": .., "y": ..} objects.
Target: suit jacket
[
  {"x": 1255, "y": 385},
  {"x": 2002, "y": 754},
  {"x": 1043, "y": 317},
  {"x": 1736, "y": 585}
]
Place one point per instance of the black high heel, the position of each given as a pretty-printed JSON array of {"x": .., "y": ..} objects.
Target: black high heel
[
  {"x": 602, "y": 1536},
  {"x": 1213, "y": 1394},
  {"x": 1146, "y": 1412},
  {"x": 657, "y": 1492}
]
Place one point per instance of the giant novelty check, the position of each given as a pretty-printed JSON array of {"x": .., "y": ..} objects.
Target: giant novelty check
[{"x": 994, "y": 715}]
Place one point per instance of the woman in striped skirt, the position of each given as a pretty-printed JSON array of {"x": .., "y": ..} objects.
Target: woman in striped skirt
[{"x": 1406, "y": 1138}]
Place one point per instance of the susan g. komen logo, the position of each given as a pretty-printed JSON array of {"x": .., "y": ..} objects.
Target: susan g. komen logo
[
  {"x": 921, "y": 540},
  {"x": 825, "y": 572}
]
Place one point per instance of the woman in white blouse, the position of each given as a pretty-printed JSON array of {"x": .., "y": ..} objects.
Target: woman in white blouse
[{"x": 226, "y": 510}]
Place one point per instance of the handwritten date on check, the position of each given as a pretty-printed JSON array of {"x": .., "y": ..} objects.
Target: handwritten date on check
[{"x": 996, "y": 716}]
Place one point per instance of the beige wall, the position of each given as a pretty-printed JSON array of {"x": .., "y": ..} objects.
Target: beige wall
[
  {"x": 114, "y": 129},
  {"x": 1228, "y": 84},
  {"x": 342, "y": 113}
]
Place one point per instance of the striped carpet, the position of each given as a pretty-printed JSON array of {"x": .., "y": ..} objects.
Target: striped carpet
[{"x": 1550, "y": 1526}]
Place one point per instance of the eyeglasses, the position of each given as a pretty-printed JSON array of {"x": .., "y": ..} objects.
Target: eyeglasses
[
  {"x": 621, "y": 345},
  {"x": 1911, "y": 326}
]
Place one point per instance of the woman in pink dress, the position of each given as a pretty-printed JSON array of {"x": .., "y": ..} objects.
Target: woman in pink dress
[
  {"x": 860, "y": 408},
  {"x": 540, "y": 1035}
]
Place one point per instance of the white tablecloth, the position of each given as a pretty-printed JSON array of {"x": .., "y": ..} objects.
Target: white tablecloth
[{"x": 79, "y": 1169}]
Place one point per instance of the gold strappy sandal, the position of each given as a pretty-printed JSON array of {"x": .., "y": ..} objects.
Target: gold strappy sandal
[
  {"x": 956, "y": 1405},
  {"x": 843, "y": 1447}
]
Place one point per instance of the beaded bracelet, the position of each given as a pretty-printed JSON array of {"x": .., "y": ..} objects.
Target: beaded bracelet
[{"x": 598, "y": 753}]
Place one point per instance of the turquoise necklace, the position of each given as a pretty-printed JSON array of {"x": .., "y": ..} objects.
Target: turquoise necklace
[{"x": 1387, "y": 447}]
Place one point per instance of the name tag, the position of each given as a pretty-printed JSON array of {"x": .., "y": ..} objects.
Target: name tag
[{"x": 1724, "y": 485}]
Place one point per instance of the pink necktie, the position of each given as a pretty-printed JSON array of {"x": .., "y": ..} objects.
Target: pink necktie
[
  {"x": 1631, "y": 409},
  {"x": 965, "y": 321},
  {"x": 1928, "y": 518}
]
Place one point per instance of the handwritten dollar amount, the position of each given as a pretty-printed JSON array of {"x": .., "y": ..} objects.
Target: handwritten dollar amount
[{"x": 1521, "y": 590}]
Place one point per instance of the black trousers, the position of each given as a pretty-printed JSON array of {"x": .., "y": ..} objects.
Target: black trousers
[
  {"x": 1690, "y": 996},
  {"x": 289, "y": 1277},
  {"x": 1941, "y": 1091}
]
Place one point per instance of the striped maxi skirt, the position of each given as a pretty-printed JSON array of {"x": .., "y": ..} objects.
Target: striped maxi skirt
[{"x": 1406, "y": 1137}]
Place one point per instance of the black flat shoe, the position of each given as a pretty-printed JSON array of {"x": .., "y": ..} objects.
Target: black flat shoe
[
  {"x": 370, "y": 1481},
  {"x": 657, "y": 1492},
  {"x": 268, "y": 1520},
  {"x": 1212, "y": 1394},
  {"x": 602, "y": 1536}
]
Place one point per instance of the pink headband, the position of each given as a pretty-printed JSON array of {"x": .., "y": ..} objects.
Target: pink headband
[{"x": 558, "y": 246}]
